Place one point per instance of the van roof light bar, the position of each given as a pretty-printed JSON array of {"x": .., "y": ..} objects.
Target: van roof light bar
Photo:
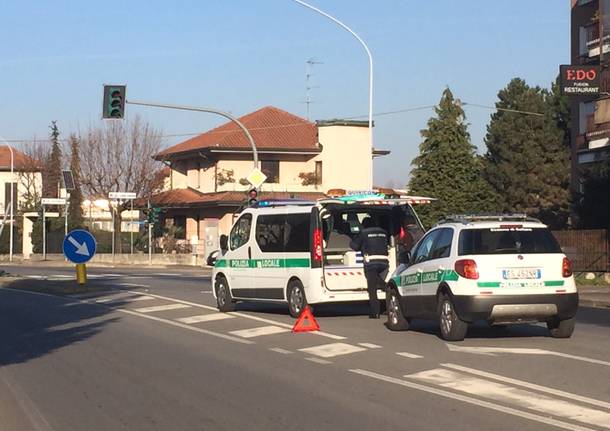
[
  {"x": 267, "y": 203},
  {"x": 467, "y": 218}
]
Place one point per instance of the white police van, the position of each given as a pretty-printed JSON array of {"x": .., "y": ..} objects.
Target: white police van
[
  {"x": 499, "y": 268},
  {"x": 297, "y": 252}
]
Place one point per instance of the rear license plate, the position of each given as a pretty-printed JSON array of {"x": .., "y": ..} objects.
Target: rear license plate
[{"x": 521, "y": 273}]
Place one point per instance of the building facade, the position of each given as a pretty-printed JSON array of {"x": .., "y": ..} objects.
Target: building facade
[
  {"x": 590, "y": 115},
  {"x": 207, "y": 185}
]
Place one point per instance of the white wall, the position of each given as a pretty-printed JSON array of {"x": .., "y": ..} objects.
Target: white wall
[
  {"x": 5, "y": 177},
  {"x": 347, "y": 159}
]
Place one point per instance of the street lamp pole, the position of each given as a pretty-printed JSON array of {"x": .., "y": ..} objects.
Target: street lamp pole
[{"x": 368, "y": 52}]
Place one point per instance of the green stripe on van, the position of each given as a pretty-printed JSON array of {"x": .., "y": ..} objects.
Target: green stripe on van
[
  {"x": 426, "y": 277},
  {"x": 263, "y": 263},
  {"x": 554, "y": 283},
  {"x": 489, "y": 284}
]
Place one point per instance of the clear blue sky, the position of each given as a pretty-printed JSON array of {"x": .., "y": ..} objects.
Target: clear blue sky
[{"x": 240, "y": 55}]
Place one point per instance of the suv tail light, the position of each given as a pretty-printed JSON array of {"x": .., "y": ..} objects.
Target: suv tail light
[
  {"x": 566, "y": 267},
  {"x": 317, "y": 245},
  {"x": 467, "y": 268}
]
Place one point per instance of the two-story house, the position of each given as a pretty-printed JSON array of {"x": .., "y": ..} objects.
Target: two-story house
[{"x": 301, "y": 159}]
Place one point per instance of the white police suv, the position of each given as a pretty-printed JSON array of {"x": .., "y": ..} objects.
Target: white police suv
[{"x": 502, "y": 269}]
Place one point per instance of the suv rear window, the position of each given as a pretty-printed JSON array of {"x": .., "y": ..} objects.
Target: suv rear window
[{"x": 507, "y": 241}]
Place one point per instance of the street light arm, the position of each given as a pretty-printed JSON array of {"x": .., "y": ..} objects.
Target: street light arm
[{"x": 209, "y": 110}]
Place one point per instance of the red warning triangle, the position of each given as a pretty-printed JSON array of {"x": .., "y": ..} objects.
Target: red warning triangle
[{"x": 306, "y": 322}]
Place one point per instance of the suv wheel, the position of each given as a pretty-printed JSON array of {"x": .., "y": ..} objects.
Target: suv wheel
[
  {"x": 452, "y": 328},
  {"x": 396, "y": 320},
  {"x": 224, "y": 301},
  {"x": 561, "y": 328},
  {"x": 295, "y": 294}
]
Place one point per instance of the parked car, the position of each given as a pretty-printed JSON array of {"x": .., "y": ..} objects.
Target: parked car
[{"x": 502, "y": 269}]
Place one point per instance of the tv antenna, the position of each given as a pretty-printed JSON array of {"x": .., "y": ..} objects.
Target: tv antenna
[{"x": 309, "y": 64}]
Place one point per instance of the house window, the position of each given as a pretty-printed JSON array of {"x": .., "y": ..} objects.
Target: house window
[
  {"x": 318, "y": 173},
  {"x": 7, "y": 196},
  {"x": 180, "y": 224},
  {"x": 271, "y": 168}
]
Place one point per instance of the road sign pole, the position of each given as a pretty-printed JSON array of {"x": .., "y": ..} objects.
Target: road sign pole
[
  {"x": 112, "y": 213},
  {"x": 149, "y": 238},
  {"x": 131, "y": 227},
  {"x": 44, "y": 234},
  {"x": 81, "y": 273}
]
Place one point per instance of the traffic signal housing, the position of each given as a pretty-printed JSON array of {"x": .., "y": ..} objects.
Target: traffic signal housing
[
  {"x": 114, "y": 102},
  {"x": 153, "y": 215},
  {"x": 252, "y": 197}
]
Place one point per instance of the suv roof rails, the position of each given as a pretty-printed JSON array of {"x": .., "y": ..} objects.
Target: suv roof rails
[
  {"x": 467, "y": 218},
  {"x": 268, "y": 203}
]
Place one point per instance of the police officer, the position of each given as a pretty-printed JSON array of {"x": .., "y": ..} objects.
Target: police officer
[{"x": 372, "y": 241}]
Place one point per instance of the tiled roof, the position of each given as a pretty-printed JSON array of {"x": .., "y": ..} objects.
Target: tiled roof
[
  {"x": 270, "y": 127},
  {"x": 21, "y": 162},
  {"x": 181, "y": 198}
]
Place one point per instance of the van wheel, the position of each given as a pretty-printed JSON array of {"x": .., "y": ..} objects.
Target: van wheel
[
  {"x": 396, "y": 320},
  {"x": 295, "y": 294},
  {"x": 452, "y": 328},
  {"x": 561, "y": 328},
  {"x": 224, "y": 301}
]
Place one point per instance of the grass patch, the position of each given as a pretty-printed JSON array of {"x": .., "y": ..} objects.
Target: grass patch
[{"x": 597, "y": 281}]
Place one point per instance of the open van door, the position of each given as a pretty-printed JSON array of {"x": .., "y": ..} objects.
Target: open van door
[{"x": 341, "y": 220}]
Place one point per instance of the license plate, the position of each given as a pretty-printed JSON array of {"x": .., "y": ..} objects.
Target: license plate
[{"x": 521, "y": 273}]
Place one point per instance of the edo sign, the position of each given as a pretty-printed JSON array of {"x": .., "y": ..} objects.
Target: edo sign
[{"x": 579, "y": 80}]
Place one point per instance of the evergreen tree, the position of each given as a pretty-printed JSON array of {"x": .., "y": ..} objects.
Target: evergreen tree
[
  {"x": 52, "y": 170},
  {"x": 447, "y": 167},
  {"x": 527, "y": 161},
  {"x": 75, "y": 209}
]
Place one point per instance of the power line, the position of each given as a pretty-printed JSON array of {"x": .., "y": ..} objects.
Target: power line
[{"x": 302, "y": 124}]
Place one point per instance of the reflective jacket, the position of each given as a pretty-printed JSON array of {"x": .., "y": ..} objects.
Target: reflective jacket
[{"x": 373, "y": 243}]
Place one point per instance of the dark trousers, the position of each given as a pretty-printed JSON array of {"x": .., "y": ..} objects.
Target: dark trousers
[{"x": 374, "y": 281}]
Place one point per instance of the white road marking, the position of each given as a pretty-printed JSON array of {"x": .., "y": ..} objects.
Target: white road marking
[
  {"x": 473, "y": 401},
  {"x": 528, "y": 385},
  {"x": 161, "y": 308},
  {"x": 280, "y": 350},
  {"x": 409, "y": 355},
  {"x": 510, "y": 395},
  {"x": 318, "y": 361},
  {"x": 332, "y": 350},
  {"x": 204, "y": 318},
  {"x": 140, "y": 298},
  {"x": 144, "y": 316},
  {"x": 492, "y": 351},
  {"x": 370, "y": 345},
  {"x": 133, "y": 285},
  {"x": 258, "y": 332},
  {"x": 247, "y": 316}
]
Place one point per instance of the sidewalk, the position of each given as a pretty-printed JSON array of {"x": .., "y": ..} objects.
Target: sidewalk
[
  {"x": 594, "y": 296},
  {"x": 64, "y": 264}
]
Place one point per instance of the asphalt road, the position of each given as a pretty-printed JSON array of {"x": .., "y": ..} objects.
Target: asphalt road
[{"x": 154, "y": 354}]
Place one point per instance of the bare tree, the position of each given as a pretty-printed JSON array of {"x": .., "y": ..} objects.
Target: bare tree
[
  {"x": 30, "y": 168},
  {"x": 118, "y": 157}
]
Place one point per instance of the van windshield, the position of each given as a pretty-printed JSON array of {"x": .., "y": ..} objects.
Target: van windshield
[{"x": 507, "y": 241}]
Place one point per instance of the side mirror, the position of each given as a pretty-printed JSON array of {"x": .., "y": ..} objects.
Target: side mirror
[
  {"x": 211, "y": 261},
  {"x": 404, "y": 257},
  {"x": 224, "y": 243}
]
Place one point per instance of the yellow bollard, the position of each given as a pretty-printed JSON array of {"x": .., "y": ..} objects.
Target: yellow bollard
[{"x": 81, "y": 273}]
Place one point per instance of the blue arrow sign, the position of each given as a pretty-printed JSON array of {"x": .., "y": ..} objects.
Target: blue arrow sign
[{"x": 79, "y": 246}]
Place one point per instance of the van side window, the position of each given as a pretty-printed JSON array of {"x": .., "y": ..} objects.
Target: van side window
[
  {"x": 270, "y": 233},
  {"x": 297, "y": 233},
  {"x": 240, "y": 234},
  {"x": 442, "y": 244}
]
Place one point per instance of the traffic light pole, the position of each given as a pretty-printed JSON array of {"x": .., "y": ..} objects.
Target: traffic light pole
[{"x": 209, "y": 110}]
